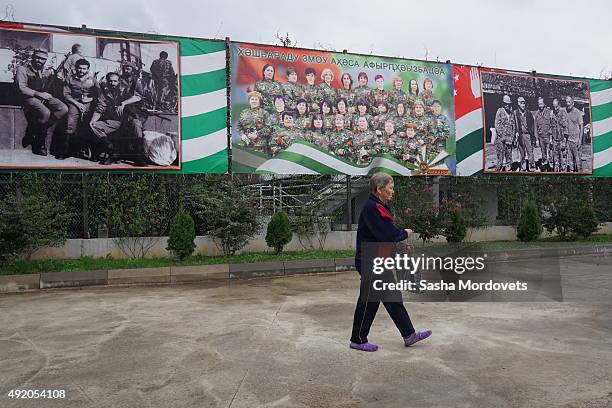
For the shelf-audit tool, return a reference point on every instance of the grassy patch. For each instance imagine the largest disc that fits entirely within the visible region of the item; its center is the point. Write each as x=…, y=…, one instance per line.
x=92, y=264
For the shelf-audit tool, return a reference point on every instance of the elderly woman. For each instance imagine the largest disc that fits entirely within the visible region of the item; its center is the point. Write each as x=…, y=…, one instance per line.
x=252, y=124
x=325, y=90
x=376, y=224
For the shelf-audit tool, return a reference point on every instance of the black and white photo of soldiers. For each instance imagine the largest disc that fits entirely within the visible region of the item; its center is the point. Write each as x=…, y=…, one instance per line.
x=93, y=104
x=536, y=124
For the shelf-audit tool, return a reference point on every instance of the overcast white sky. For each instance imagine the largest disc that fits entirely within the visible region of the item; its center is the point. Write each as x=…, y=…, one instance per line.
x=560, y=37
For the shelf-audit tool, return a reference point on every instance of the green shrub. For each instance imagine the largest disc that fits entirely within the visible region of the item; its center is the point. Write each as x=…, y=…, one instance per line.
x=456, y=227
x=530, y=224
x=29, y=221
x=225, y=211
x=584, y=222
x=279, y=231
x=182, y=235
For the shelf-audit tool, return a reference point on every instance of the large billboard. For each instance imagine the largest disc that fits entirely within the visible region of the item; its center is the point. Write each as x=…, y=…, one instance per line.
x=511, y=122
x=78, y=99
x=297, y=111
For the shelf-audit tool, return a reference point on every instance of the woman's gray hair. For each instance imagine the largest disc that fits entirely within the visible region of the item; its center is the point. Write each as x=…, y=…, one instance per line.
x=379, y=180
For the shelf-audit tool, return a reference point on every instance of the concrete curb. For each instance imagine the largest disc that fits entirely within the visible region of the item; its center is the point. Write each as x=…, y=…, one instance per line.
x=221, y=272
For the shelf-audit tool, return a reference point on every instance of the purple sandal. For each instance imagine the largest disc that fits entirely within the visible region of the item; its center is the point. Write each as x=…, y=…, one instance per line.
x=416, y=337
x=369, y=347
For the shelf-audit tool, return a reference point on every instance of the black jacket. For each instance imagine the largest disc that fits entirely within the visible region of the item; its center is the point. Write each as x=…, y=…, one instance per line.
x=376, y=224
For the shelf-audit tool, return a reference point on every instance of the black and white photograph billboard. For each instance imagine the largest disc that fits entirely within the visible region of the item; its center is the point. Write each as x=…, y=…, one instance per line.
x=76, y=101
x=536, y=124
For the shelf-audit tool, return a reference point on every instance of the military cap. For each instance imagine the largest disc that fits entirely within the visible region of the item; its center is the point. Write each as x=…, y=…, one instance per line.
x=41, y=52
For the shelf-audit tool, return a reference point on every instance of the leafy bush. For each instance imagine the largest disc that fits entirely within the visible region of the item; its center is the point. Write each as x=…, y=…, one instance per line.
x=182, y=235
x=416, y=208
x=225, y=212
x=279, y=231
x=30, y=220
x=311, y=227
x=135, y=210
x=530, y=224
x=569, y=208
x=455, y=227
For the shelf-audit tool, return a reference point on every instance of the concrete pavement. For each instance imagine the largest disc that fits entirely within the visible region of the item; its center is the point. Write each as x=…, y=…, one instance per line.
x=284, y=343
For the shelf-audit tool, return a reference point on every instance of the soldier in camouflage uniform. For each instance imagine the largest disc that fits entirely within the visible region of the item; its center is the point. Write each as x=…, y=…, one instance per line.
x=341, y=138
x=292, y=90
x=316, y=134
x=379, y=94
x=342, y=108
x=363, y=92
x=363, y=142
x=328, y=115
x=268, y=87
x=440, y=128
x=401, y=117
x=423, y=123
x=379, y=120
x=302, y=118
x=542, y=121
x=386, y=143
x=325, y=91
x=411, y=146
x=287, y=135
x=413, y=94
x=347, y=92
x=253, y=125
x=276, y=117
x=558, y=130
x=505, y=129
x=363, y=110
x=310, y=89
x=397, y=94
x=427, y=96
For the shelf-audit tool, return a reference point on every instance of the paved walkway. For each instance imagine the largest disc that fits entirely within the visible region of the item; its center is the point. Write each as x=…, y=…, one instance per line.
x=283, y=343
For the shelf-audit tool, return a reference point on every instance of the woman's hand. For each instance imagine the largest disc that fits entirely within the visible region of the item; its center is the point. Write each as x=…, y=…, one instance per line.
x=408, y=231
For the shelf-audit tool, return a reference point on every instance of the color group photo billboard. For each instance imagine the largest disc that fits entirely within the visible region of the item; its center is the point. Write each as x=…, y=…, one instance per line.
x=297, y=111
x=73, y=99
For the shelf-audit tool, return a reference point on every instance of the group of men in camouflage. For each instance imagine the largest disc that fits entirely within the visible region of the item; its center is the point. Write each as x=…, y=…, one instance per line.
x=101, y=122
x=354, y=123
x=558, y=132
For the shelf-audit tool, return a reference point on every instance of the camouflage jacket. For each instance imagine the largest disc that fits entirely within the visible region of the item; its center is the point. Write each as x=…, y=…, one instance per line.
x=558, y=125
x=268, y=88
x=319, y=139
x=363, y=146
x=397, y=96
x=348, y=94
x=324, y=92
x=427, y=97
x=254, y=121
x=341, y=143
x=505, y=126
x=283, y=138
x=440, y=129
x=292, y=91
x=363, y=93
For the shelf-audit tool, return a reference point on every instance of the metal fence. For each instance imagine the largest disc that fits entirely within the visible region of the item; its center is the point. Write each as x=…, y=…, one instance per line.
x=86, y=194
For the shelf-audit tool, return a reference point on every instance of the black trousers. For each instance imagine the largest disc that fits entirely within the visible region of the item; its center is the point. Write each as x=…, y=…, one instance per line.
x=365, y=312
